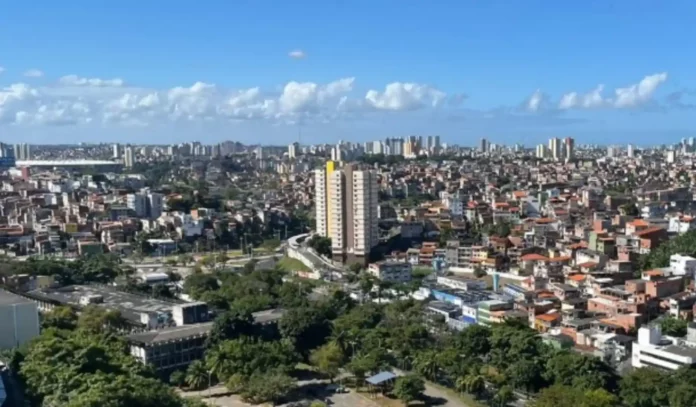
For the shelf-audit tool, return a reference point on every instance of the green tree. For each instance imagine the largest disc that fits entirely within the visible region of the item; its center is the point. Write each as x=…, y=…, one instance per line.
x=673, y=326
x=408, y=388
x=355, y=267
x=63, y=317
x=602, y=398
x=682, y=395
x=328, y=359
x=197, y=376
x=196, y=285
x=479, y=272
x=230, y=325
x=645, y=387
x=236, y=383
x=526, y=374
x=96, y=319
x=475, y=384
x=504, y=396
x=268, y=387
x=177, y=378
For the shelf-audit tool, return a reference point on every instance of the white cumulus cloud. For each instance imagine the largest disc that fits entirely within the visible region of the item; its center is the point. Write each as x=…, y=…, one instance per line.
x=626, y=97
x=640, y=92
x=398, y=96
x=297, y=54
x=74, y=80
x=33, y=73
x=75, y=100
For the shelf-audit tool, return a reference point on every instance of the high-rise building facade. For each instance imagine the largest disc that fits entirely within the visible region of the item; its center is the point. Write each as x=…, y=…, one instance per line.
x=22, y=151
x=483, y=145
x=116, y=151
x=569, y=147
x=555, y=148
x=346, y=203
x=292, y=150
x=128, y=157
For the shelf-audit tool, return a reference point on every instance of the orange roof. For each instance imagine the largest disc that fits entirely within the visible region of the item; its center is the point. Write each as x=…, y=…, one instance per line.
x=588, y=264
x=653, y=273
x=560, y=258
x=545, y=295
x=580, y=245
x=534, y=257
x=648, y=231
x=639, y=222
x=548, y=317
x=576, y=277
x=519, y=194
x=545, y=220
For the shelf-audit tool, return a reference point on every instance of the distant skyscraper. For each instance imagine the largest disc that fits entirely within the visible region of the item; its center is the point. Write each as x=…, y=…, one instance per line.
x=484, y=145
x=292, y=150
x=22, y=151
x=569, y=147
x=541, y=151
x=116, y=151
x=555, y=148
x=610, y=152
x=630, y=151
x=128, y=157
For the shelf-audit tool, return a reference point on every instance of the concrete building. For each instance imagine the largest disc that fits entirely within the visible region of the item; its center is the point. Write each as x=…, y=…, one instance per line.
x=391, y=271
x=681, y=265
x=117, y=151
x=128, y=157
x=175, y=348
x=138, y=203
x=346, y=205
x=541, y=151
x=483, y=146
x=293, y=149
x=662, y=352
x=555, y=148
x=19, y=320
x=569, y=148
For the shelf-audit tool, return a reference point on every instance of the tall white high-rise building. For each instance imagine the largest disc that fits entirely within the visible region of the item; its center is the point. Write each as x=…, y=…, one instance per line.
x=346, y=203
x=116, y=151
x=630, y=151
x=292, y=150
x=22, y=151
x=484, y=145
x=610, y=151
x=541, y=151
x=128, y=157
x=555, y=148
x=569, y=148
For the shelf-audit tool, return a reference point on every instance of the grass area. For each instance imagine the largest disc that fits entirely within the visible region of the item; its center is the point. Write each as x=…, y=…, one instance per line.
x=289, y=264
x=257, y=250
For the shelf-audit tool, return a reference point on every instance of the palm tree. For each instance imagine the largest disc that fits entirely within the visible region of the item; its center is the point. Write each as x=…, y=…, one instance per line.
x=461, y=384
x=503, y=397
x=197, y=375
x=426, y=364
x=217, y=362
x=475, y=384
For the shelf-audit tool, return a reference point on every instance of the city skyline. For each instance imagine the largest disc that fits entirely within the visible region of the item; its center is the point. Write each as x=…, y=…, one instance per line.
x=501, y=71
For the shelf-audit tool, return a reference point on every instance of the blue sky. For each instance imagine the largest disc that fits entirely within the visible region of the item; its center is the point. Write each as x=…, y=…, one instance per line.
x=511, y=71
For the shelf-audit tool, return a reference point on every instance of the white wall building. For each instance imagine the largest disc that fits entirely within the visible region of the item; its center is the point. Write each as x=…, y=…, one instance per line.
x=662, y=352
x=391, y=271
x=19, y=320
x=682, y=265
x=138, y=203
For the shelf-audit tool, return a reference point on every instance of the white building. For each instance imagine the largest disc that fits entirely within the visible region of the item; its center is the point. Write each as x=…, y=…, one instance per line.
x=138, y=203
x=682, y=265
x=541, y=151
x=391, y=271
x=555, y=148
x=662, y=352
x=461, y=283
x=292, y=150
x=128, y=157
x=19, y=320
x=320, y=202
x=117, y=151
